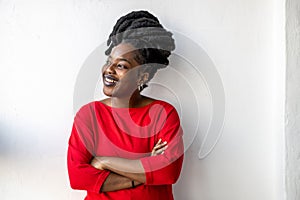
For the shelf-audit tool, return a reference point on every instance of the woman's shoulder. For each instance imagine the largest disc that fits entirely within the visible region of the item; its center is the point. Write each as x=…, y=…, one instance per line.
x=150, y=101
x=89, y=108
x=166, y=105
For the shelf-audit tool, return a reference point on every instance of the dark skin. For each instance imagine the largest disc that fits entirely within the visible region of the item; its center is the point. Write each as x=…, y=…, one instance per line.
x=121, y=76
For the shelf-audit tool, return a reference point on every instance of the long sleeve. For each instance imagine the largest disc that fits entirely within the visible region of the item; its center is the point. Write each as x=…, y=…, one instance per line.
x=82, y=175
x=165, y=168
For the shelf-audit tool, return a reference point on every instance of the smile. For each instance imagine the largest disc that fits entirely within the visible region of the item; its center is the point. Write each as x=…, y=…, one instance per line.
x=109, y=80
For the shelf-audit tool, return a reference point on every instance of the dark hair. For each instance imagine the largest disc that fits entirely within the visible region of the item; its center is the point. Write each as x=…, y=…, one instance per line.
x=144, y=31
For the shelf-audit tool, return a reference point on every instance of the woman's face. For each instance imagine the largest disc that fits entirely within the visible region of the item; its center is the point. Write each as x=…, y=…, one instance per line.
x=119, y=78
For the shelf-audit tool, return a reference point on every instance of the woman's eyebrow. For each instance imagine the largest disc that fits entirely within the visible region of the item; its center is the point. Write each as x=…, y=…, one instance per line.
x=121, y=59
x=124, y=59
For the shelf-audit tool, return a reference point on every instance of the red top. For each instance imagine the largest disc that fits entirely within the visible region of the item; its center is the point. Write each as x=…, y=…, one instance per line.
x=100, y=130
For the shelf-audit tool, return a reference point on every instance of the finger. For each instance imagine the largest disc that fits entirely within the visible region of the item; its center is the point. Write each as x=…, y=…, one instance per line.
x=161, y=151
x=153, y=153
x=158, y=148
x=158, y=151
x=159, y=141
x=160, y=145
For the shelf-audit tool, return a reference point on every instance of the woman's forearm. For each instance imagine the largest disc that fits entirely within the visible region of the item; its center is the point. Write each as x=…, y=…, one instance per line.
x=132, y=169
x=116, y=182
x=125, y=168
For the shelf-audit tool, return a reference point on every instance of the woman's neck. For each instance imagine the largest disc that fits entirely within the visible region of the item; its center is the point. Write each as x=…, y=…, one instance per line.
x=135, y=100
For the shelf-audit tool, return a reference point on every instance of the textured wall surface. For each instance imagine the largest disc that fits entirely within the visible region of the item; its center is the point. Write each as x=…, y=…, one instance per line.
x=293, y=100
x=43, y=45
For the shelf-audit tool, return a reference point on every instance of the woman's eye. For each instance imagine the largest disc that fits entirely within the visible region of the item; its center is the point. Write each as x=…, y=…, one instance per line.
x=121, y=66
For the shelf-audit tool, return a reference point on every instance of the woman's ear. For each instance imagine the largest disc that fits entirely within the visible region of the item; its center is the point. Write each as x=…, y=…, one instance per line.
x=143, y=78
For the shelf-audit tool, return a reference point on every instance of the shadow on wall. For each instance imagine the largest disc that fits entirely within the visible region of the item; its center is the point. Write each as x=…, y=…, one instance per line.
x=18, y=141
x=190, y=83
x=6, y=140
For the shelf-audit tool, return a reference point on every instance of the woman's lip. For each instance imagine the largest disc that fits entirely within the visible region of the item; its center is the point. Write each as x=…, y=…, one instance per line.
x=110, y=77
x=106, y=83
x=109, y=80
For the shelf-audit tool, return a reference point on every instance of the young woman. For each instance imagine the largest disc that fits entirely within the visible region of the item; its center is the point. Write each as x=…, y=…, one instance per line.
x=128, y=146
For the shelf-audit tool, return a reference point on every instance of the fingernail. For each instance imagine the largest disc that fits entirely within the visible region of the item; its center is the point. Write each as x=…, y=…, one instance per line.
x=165, y=142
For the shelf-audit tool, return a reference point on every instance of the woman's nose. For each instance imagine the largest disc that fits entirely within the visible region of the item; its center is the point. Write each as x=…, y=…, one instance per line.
x=109, y=69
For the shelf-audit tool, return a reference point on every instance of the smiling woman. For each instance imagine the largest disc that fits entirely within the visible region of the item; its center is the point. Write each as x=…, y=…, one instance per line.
x=116, y=77
x=128, y=146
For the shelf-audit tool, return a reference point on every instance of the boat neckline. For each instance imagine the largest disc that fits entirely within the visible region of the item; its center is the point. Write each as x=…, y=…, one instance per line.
x=149, y=104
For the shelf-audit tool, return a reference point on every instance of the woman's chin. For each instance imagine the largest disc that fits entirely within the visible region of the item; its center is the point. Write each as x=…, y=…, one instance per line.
x=108, y=93
x=112, y=93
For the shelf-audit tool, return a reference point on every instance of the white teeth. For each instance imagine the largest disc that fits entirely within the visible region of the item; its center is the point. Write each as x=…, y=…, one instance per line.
x=109, y=80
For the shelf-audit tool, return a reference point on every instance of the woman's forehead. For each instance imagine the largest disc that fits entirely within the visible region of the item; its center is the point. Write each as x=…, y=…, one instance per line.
x=124, y=50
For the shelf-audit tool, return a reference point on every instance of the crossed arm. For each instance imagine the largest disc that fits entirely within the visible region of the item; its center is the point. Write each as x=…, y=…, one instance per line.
x=86, y=172
x=126, y=173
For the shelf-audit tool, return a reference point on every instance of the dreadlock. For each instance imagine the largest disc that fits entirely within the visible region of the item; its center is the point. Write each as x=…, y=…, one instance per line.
x=144, y=31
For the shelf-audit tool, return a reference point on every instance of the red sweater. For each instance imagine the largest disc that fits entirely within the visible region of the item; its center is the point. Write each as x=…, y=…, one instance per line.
x=100, y=130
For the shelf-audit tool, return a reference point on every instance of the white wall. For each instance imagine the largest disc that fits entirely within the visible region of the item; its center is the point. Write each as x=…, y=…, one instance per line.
x=292, y=100
x=45, y=43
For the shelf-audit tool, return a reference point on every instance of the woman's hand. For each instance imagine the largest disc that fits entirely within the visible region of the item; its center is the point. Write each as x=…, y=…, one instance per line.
x=159, y=148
